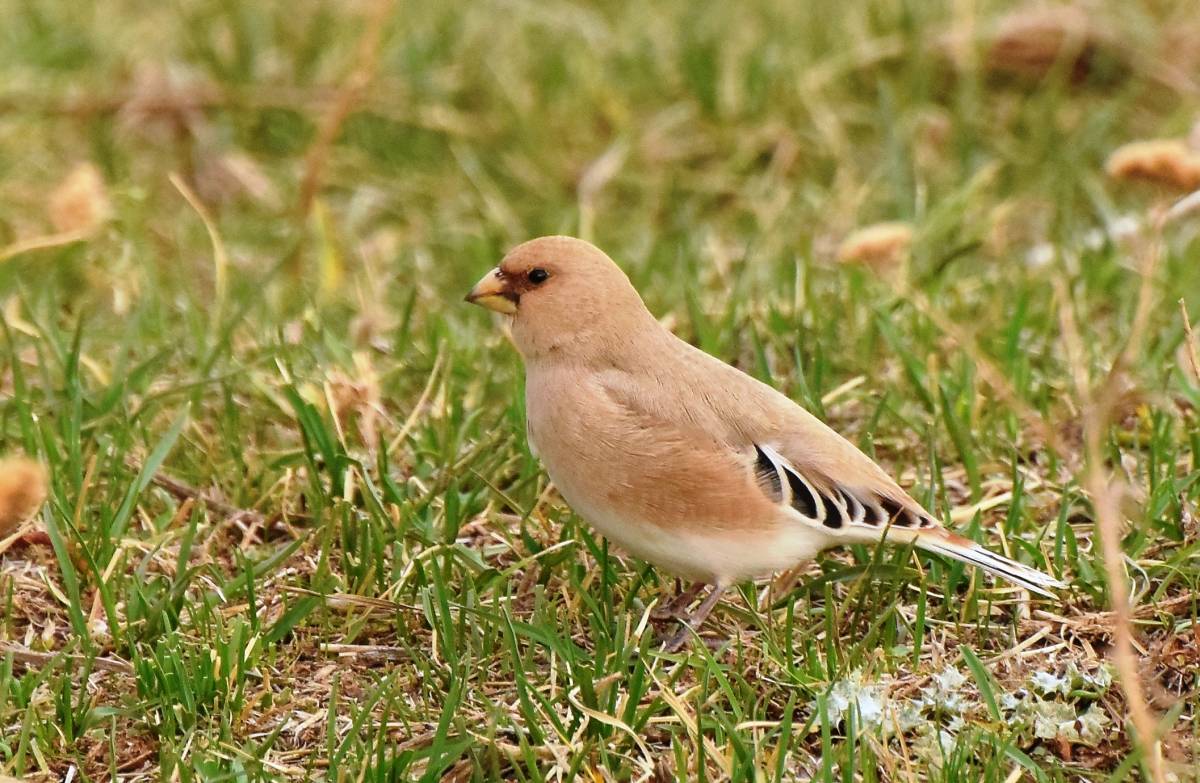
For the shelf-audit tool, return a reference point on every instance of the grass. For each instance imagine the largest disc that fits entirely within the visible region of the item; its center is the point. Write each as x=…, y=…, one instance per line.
x=294, y=530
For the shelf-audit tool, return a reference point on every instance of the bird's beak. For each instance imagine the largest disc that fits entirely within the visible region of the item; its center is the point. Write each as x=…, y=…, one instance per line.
x=493, y=292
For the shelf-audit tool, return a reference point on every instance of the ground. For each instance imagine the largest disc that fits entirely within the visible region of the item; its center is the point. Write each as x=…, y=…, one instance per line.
x=293, y=528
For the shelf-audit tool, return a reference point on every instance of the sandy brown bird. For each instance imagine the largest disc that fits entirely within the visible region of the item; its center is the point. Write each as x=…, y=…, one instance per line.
x=678, y=458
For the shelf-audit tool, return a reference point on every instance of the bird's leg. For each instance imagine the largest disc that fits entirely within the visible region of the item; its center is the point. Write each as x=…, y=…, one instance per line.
x=674, y=609
x=696, y=620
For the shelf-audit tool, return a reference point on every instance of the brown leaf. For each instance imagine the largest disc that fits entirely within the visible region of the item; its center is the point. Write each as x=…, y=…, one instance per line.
x=1168, y=162
x=1031, y=42
x=80, y=204
x=22, y=491
x=881, y=245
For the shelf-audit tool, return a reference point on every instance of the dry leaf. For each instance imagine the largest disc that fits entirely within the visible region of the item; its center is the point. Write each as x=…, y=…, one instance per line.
x=80, y=205
x=880, y=245
x=1167, y=162
x=22, y=491
x=1031, y=42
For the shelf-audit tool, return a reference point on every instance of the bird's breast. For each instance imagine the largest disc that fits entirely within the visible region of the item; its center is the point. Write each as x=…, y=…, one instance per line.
x=678, y=499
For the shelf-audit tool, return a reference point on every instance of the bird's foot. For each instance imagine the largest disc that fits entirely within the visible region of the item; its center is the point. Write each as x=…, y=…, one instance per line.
x=676, y=608
x=676, y=640
x=693, y=623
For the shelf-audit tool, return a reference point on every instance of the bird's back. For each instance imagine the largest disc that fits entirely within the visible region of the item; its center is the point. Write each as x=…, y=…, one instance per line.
x=742, y=411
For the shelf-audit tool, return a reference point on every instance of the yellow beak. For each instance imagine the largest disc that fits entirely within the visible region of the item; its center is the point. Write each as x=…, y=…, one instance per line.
x=492, y=292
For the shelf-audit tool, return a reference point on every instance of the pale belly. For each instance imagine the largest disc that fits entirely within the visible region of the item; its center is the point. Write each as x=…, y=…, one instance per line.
x=705, y=555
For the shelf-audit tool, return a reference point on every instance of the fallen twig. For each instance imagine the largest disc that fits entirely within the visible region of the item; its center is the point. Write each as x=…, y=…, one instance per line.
x=184, y=491
x=32, y=658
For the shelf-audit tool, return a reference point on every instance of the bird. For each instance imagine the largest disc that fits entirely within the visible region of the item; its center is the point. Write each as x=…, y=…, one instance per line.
x=680, y=459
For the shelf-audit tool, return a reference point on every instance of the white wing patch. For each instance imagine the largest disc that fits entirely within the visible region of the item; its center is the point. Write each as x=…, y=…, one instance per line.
x=841, y=512
x=834, y=509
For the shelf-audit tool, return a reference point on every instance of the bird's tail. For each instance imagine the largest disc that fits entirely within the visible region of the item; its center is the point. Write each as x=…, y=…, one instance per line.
x=943, y=542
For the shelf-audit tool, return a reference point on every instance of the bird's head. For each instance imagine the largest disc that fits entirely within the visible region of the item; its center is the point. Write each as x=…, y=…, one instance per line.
x=565, y=295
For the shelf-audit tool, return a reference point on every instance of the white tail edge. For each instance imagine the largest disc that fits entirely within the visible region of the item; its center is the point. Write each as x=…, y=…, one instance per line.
x=943, y=542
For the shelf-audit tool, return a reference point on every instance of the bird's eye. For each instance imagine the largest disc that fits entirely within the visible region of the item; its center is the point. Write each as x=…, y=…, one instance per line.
x=538, y=275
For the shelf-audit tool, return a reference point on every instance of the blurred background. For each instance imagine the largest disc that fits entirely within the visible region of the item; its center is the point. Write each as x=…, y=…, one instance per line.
x=422, y=140
x=234, y=240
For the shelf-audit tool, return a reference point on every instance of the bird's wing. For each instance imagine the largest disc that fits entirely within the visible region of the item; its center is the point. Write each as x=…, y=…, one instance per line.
x=842, y=488
x=813, y=475
x=687, y=432
x=845, y=509
x=822, y=478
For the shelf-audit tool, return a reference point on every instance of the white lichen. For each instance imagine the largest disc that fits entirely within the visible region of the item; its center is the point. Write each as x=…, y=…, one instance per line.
x=867, y=698
x=1047, y=684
